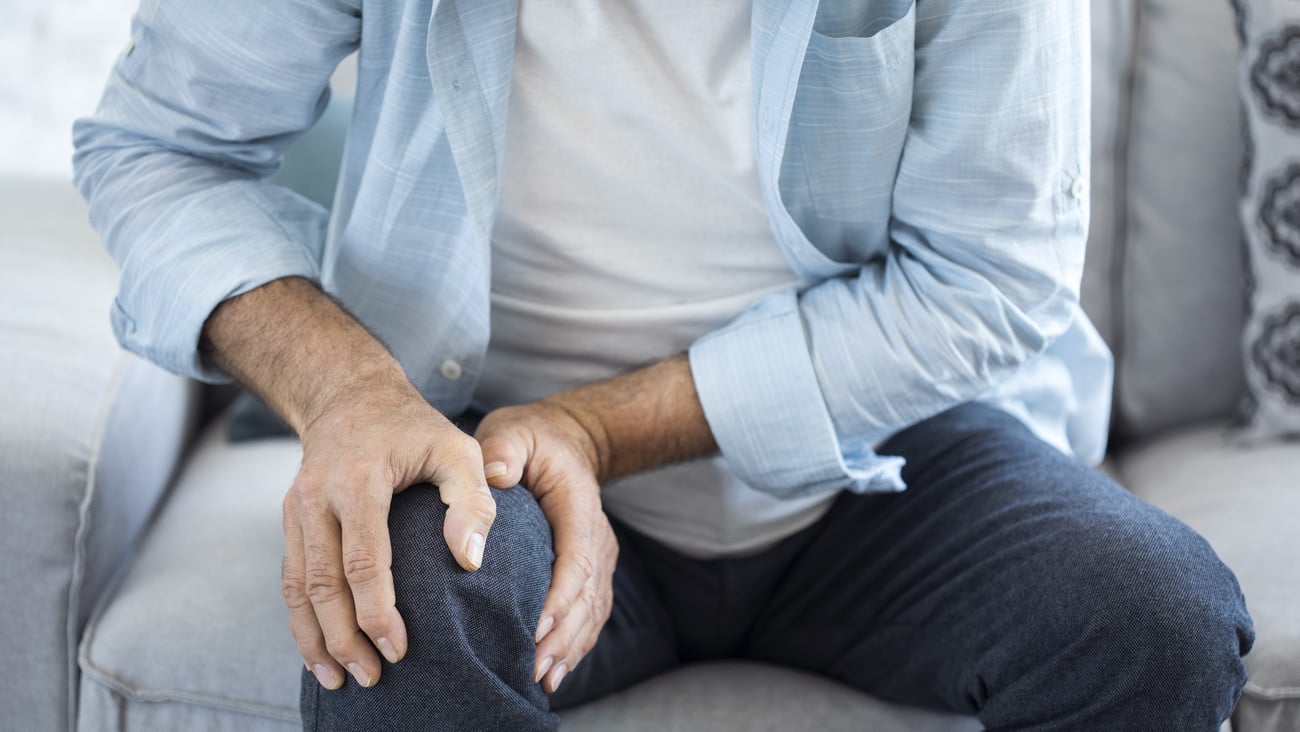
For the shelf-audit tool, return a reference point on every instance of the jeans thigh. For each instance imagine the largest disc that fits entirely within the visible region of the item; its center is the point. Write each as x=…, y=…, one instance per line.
x=1011, y=582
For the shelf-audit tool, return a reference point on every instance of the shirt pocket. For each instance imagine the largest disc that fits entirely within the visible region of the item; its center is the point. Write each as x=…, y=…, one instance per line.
x=852, y=109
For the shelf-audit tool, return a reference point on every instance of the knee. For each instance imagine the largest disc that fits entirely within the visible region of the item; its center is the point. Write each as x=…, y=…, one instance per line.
x=469, y=663
x=509, y=587
x=1161, y=613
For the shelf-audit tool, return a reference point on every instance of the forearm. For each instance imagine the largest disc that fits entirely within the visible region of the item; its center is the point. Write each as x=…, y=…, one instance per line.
x=297, y=349
x=641, y=419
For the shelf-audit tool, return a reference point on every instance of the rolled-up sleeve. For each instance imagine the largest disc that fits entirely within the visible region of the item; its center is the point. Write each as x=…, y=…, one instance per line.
x=988, y=230
x=196, y=114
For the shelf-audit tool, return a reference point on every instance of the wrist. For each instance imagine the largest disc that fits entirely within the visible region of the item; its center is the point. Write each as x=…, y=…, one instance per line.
x=379, y=384
x=591, y=438
x=642, y=419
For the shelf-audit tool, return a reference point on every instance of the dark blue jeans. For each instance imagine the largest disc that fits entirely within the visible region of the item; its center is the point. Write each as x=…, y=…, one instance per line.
x=1008, y=582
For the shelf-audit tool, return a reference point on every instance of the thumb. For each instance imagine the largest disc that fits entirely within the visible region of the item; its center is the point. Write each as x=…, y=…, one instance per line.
x=504, y=457
x=471, y=508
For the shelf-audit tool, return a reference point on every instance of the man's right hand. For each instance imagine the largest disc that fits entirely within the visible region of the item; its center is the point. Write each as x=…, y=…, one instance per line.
x=337, y=578
x=366, y=434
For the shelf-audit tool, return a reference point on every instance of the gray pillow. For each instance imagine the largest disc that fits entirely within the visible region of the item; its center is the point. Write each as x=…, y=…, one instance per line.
x=1270, y=211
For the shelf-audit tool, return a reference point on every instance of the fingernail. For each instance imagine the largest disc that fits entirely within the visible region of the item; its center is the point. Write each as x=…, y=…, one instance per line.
x=474, y=549
x=543, y=628
x=386, y=648
x=326, y=676
x=495, y=470
x=542, y=668
x=360, y=674
x=557, y=676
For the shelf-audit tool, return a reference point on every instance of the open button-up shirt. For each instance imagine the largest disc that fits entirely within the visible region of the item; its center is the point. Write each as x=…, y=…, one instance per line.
x=923, y=164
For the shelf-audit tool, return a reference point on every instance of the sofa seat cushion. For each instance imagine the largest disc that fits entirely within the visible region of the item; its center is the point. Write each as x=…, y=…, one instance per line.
x=1246, y=502
x=196, y=635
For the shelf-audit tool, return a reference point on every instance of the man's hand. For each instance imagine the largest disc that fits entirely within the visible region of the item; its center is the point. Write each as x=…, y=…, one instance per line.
x=546, y=449
x=563, y=448
x=337, y=578
x=366, y=434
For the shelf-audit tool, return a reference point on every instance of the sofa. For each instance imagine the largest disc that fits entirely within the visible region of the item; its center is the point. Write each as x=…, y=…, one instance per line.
x=141, y=546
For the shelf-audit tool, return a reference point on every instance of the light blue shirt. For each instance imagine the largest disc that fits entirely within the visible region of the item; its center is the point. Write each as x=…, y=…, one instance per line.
x=924, y=168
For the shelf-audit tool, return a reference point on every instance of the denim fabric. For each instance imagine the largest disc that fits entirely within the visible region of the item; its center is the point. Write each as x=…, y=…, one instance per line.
x=1009, y=582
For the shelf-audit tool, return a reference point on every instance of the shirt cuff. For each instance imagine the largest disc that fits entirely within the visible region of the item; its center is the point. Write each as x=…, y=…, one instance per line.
x=760, y=395
x=160, y=313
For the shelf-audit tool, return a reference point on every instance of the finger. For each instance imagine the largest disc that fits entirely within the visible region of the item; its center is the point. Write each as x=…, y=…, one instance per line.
x=471, y=509
x=573, y=564
x=302, y=617
x=331, y=598
x=565, y=646
x=504, y=457
x=368, y=567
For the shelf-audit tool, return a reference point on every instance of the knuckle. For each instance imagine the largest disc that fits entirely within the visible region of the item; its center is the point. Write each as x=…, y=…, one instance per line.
x=361, y=566
x=322, y=586
x=295, y=594
x=372, y=622
x=306, y=483
x=460, y=448
x=583, y=563
x=571, y=638
x=348, y=488
x=469, y=447
x=338, y=647
x=559, y=606
x=486, y=510
x=390, y=474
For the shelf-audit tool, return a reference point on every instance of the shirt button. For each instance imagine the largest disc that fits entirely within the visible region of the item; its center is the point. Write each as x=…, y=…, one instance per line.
x=1079, y=188
x=450, y=370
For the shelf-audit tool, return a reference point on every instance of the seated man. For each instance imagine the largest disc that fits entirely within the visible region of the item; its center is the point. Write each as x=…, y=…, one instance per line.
x=785, y=358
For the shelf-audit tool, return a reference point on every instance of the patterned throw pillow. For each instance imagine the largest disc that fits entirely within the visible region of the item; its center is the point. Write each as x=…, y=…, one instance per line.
x=1270, y=210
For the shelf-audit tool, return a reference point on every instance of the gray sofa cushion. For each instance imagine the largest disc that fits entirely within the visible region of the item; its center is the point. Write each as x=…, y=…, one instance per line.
x=76, y=482
x=748, y=697
x=196, y=635
x=1246, y=502
x=1179, y=296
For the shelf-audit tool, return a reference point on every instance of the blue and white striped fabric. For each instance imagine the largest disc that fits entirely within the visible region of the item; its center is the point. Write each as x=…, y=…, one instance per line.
x=924, y=165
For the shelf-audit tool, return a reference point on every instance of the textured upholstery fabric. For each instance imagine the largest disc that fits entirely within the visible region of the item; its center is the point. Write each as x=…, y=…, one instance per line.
x=1270, y=206
x=75, y=479
x=196, y=635
x=1181, y=259
x=731, y=697
x=199, y=617
x=1245, y=501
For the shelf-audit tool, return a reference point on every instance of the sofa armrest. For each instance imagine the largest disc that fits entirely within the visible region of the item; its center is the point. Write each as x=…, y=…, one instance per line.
x=89, y=437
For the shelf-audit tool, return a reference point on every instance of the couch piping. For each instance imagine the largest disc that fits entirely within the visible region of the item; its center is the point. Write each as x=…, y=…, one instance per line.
x=1280, y=693
x=138, y=694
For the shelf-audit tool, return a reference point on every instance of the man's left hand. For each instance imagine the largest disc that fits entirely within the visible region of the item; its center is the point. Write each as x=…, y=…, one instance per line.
x=546, y=449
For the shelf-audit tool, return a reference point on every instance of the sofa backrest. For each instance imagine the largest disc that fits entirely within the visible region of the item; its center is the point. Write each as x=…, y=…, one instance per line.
x=1165, y=275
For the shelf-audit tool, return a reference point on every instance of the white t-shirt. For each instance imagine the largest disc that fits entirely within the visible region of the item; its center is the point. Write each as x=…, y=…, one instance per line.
x=631, y=223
